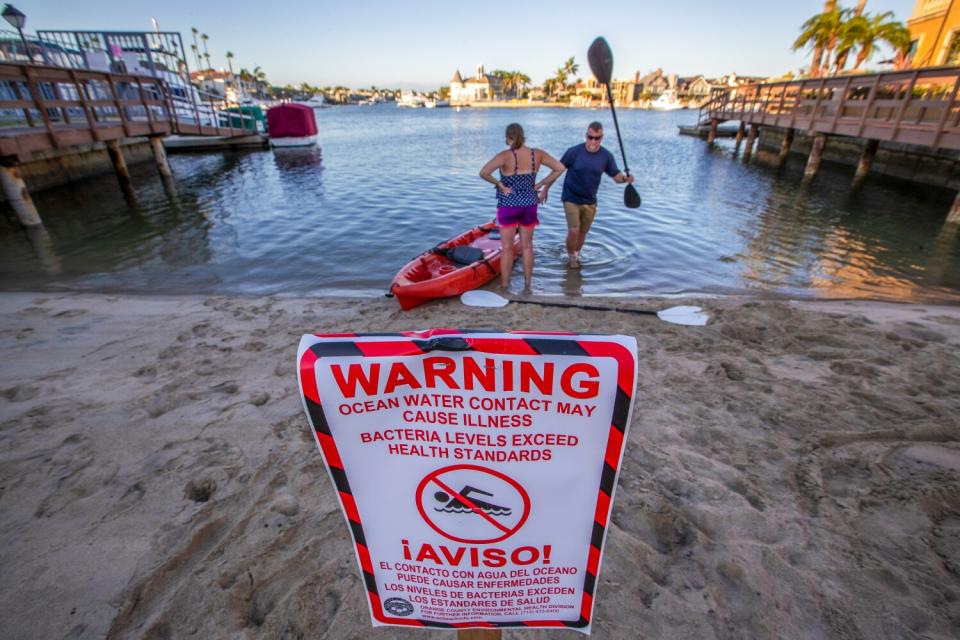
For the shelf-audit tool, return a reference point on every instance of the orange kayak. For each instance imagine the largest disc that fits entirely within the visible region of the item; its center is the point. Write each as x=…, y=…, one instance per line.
x=459, y=264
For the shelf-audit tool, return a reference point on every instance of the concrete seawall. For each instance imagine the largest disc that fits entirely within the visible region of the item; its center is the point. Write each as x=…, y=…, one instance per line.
x=54, y=168
x=940, y=168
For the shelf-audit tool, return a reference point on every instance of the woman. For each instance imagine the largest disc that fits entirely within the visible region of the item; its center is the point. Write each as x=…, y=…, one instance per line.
x=517, y=196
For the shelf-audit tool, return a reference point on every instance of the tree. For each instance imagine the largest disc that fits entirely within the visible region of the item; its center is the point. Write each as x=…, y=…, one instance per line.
x=196, y=47
x=821, y=31
x=570, y=68
x=851, y=32
x=233, y=78
x=196, y=53
x=206, y=54
x=883, y=29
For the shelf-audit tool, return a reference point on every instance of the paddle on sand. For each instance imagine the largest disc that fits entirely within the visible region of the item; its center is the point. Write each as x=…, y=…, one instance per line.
x=601, y=63
x=686, y=315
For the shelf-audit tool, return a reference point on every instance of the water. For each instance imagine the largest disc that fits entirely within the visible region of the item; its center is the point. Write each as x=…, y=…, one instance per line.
x=390, y=183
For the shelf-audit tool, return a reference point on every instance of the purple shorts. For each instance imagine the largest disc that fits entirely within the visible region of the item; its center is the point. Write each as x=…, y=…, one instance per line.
x=525, y=216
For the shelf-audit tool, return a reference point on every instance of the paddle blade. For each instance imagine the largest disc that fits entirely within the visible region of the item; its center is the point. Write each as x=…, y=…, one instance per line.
x=601, y=60
x=480, y=298
x=631, y=197
x=690, y=316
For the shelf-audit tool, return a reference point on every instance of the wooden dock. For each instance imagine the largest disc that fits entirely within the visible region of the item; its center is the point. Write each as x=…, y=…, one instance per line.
x=919, y=107
x=44, y=108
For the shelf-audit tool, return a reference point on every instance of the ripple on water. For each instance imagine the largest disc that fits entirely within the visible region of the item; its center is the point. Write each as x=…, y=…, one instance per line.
x=388, y=183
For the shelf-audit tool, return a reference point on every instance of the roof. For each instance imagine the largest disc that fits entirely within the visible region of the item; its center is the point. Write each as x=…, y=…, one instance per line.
x=457, y=77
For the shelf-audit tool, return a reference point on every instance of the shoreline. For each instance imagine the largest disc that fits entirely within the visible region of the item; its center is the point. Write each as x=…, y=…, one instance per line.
x=159, y=477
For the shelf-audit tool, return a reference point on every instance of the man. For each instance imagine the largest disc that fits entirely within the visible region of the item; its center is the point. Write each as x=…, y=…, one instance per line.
x=585, y=163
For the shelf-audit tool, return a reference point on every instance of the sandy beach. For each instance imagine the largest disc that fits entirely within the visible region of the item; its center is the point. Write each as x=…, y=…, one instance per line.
x=792, y=471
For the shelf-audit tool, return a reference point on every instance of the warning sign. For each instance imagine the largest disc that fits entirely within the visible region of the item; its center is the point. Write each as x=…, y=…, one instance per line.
x=476, y=471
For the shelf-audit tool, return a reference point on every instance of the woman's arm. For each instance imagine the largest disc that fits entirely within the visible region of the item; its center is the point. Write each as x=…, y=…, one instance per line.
x=556, y=170
x=496, y=162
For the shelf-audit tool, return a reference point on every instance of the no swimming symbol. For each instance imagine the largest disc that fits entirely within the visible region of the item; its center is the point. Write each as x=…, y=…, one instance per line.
x=472, y=504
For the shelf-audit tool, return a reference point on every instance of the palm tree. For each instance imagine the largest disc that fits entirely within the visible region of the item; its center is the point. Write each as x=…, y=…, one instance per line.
x=196, y=54
x=523, y=80
x=233, y=78
x=851, y=32
x=819, y=30
x=196, y=47
x=570, y=68
x=883, y=29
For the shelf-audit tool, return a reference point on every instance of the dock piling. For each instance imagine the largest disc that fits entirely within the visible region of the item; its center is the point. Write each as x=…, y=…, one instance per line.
x=712, y=136
x=751, y=137
x=785, y=147
x=866, y=161
x=741, y=131
x=18, y=195
x=120, y=166
x=160, y=156
x=816, y=155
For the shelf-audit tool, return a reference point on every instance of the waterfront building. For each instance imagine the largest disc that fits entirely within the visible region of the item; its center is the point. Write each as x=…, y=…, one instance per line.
x=482, y=87
x=218, y=83
x=935, y=32
x=695, y=88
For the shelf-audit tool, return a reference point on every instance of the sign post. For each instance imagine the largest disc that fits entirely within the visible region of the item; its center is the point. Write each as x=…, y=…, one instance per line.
x=476, y=470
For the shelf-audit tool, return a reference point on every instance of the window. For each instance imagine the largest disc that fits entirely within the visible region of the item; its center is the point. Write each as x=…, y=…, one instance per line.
x=953, y=49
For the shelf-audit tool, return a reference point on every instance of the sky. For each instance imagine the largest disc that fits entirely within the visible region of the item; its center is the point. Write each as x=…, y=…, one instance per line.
x=419, y=44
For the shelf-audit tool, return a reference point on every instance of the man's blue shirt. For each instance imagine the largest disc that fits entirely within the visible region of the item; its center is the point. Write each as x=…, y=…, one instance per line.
x=584, y=170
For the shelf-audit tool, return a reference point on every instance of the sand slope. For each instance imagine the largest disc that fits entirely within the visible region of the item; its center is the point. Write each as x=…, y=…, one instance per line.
x=793, y=471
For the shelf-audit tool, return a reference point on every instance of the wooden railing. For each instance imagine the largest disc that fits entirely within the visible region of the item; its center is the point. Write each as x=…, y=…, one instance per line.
x=43, y=108
x=919, y=106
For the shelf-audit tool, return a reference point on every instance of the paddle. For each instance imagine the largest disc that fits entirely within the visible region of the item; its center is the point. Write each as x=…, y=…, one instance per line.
x=690, y=316
x=601, y=63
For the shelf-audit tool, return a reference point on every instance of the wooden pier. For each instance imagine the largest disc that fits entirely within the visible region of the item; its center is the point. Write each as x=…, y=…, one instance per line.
x=918, y=107
x=45, y=109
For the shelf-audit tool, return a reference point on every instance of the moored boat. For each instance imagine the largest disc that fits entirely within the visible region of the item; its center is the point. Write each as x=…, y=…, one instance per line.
x=291, y=125
x=459, y=264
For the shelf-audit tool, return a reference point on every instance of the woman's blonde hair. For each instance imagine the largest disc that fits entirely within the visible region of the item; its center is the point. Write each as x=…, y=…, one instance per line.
x=515, y=133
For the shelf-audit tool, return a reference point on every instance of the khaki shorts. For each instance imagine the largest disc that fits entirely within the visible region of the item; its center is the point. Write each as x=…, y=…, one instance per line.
x=579, y=215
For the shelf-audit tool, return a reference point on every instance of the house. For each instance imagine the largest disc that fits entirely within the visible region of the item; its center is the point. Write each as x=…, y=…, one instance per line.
x=693, y=88
x=479, y=88
x=935, y=33
x=221, y=84
x=655, y=83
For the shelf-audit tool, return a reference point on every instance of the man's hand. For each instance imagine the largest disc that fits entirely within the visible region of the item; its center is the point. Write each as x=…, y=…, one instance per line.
x=628, y=179
x=624, y=178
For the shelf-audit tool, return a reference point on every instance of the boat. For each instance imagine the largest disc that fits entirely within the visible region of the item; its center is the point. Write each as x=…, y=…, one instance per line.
x=667, y=101
x=291, y=125
x=410, y=100
x=459, y=264
x=436, y=104
x=316, y=101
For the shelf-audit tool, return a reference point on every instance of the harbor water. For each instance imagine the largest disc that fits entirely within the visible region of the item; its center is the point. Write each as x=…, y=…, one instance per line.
x=389, y=183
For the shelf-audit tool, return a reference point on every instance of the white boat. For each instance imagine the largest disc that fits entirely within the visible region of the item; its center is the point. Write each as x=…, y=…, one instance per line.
x=436, y=104
x=667, y=101
x=317, y=101
x=410, y=100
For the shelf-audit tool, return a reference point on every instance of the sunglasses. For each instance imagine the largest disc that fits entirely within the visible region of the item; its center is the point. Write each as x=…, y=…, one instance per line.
x=590, y=137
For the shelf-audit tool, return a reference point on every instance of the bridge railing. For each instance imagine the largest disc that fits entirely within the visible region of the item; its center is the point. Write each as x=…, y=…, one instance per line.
x=918, y=106
x=45, y=107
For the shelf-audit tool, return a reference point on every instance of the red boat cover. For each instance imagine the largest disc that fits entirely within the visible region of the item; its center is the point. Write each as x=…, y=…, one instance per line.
x=291, y=121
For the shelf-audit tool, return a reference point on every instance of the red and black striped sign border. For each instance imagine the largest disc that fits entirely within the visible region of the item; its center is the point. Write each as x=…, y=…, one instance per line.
x=420, y=342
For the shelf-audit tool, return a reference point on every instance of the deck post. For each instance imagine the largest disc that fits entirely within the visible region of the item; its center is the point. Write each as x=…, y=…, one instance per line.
x=741, y=130
x=866, y=161
x=713, y=130
x=751, y=137
x=18, y=195
x=120, y=166
x=954, y=216
x=816, y=155
x=785, y=146
x=160, y=156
